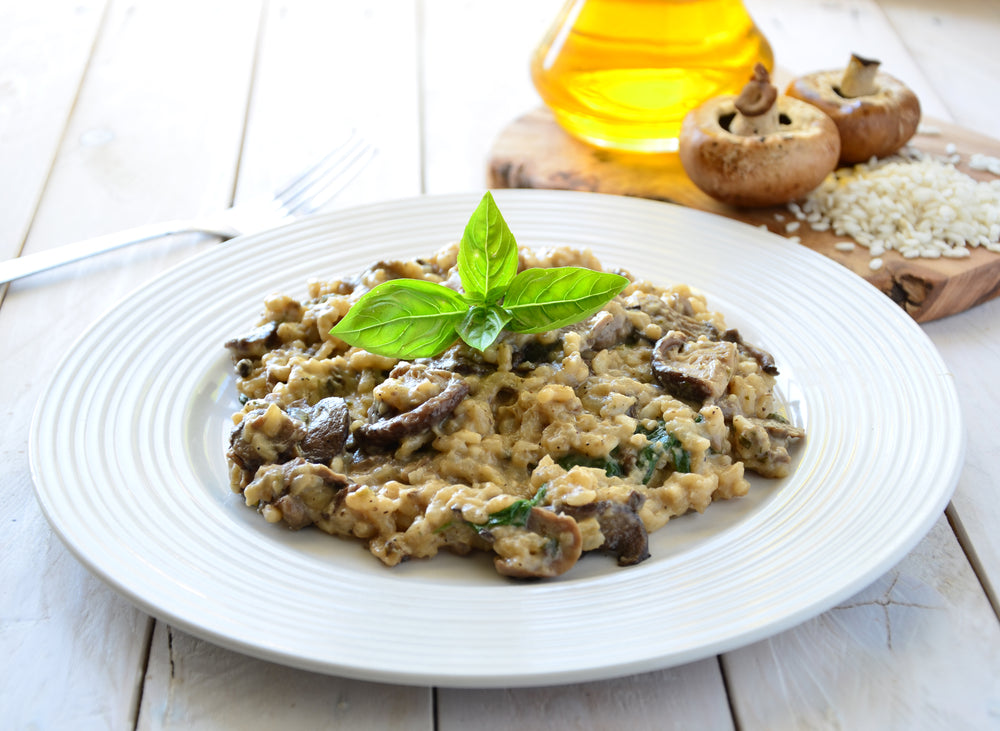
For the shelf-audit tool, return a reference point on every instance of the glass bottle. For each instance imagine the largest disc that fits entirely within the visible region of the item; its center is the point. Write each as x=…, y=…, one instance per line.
x=622, y=74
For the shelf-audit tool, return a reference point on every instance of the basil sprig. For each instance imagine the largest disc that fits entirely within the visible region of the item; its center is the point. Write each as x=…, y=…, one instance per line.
x=413, y=318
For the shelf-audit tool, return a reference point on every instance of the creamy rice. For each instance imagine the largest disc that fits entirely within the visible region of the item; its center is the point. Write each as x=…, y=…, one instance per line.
x=539, y=449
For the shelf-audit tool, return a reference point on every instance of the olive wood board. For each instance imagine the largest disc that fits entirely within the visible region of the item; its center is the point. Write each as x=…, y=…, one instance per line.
x=533, y=151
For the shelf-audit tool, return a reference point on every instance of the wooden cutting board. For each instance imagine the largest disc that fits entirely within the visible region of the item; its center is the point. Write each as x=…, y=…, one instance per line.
x=534, y=152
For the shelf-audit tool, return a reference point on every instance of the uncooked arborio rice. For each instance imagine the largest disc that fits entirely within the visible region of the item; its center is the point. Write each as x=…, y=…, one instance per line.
x=916, y=204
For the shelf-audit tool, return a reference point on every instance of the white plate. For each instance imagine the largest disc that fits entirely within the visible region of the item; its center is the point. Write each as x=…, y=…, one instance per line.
x=127, y=457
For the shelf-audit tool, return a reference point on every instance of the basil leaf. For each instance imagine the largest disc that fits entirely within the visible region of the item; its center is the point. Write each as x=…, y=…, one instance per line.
x=482, y=325
x=487, y=255
x=546, y=299
x=403, y=318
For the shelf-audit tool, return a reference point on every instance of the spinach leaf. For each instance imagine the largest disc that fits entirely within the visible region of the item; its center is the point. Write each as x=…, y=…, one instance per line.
x=516, y=514
x=611, y=466
x=662, y=442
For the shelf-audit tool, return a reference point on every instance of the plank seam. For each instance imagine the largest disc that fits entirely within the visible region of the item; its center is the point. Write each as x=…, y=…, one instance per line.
x=965, y=543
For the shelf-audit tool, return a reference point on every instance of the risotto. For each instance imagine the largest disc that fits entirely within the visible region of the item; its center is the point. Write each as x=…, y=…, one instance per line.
x=539, y=449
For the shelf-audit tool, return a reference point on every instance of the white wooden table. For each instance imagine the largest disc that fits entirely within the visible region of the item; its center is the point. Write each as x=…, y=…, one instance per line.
x=116, y=113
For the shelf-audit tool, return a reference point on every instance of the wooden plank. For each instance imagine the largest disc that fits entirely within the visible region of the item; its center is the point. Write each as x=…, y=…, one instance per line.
x=686, y=697
x=918, y=649
x=966, y=343
x=478, y=86
x=43, y=56
x=193, y=685
x=954, y=45
x=325, y=69
x=303, y=101
x=812, y=35
x=155, y=132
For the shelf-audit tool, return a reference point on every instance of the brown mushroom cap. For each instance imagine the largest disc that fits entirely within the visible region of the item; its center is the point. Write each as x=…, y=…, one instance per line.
x=760, y=170
x=871, y=125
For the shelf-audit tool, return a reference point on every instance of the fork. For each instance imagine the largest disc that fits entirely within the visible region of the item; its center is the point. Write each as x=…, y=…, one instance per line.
x=305, y=194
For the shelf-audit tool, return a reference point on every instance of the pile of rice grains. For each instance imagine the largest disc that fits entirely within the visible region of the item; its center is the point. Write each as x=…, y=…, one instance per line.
x=918, y=204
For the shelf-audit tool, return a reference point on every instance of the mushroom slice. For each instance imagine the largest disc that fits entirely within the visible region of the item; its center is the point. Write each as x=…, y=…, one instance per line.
x=762, y=157
x=875, y=113
x=264, y=436
x=625, y=535
x=326, y=430
x=693, y=370
x=604, y=330
x=548, y=545
x=296, y=492
x=255, y=343
x=762, y=444
x=764, y=359
x=388, y=431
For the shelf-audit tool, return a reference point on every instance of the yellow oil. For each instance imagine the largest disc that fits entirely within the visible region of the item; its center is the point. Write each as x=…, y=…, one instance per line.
x=622, y=74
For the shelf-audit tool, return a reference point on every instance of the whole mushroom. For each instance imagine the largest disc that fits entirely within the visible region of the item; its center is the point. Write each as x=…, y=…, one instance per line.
x=758, y=148
x=876, y=113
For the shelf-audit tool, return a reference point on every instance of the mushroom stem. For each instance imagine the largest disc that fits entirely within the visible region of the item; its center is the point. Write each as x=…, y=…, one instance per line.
x=756, y=112
x=859, y=77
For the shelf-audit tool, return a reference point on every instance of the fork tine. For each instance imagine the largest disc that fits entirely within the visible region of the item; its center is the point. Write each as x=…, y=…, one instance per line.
x=340, y=167
x=336, y=182
x=302, y=179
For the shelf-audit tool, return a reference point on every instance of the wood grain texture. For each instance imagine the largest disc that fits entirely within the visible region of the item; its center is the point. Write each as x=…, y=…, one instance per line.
x=146, y=117
x=475, y=80
x=687, y=697
x=918, y=649
x=191, y=685
x=534, y=152
x=322, y=70
x=975, y=506
x=955, y=49
x=119, y=115
x=41, y=67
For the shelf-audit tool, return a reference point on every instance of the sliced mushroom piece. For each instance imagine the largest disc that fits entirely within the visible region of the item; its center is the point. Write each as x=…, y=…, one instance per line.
x=764, y=359
x=299, y=490
x=264, y=436
x=744, y=155
x=875, y=113
x=607, y=328
x=255, y=343
x=625, y=535
x=762, y=444
x=548, y=545
x=693, y=370
x=388, y=431
x=461, y=360
x=326, y=430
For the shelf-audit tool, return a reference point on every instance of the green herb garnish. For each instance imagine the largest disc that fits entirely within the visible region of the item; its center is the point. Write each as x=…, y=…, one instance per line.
x=412, y=318
x=611, y=467
x=662, y=442
x=515, y=514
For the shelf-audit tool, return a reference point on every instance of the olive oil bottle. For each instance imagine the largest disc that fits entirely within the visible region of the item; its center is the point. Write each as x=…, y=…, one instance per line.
x=622, y=74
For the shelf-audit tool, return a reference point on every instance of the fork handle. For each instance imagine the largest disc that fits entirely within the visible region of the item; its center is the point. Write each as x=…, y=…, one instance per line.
x=24, y=266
